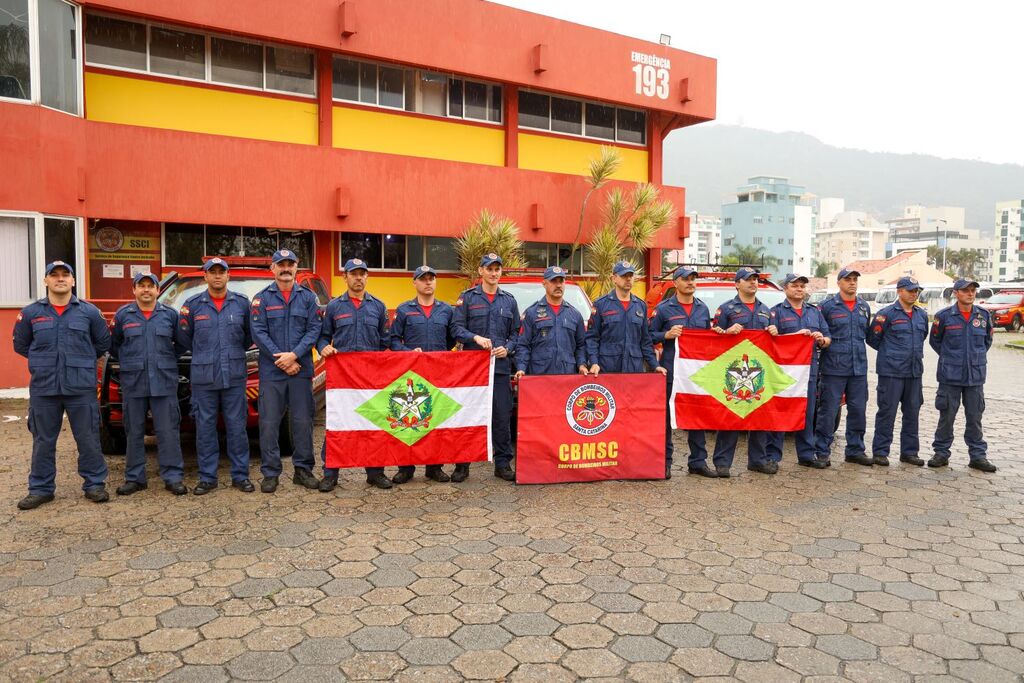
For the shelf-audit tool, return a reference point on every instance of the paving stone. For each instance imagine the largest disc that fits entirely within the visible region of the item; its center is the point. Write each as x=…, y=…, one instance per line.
x=846, y=647
x=481, y=637
x=541, y=673
x=372, y=666
x=724, y=623
x=529, y=624
x=489, y=664
x=379, y=638
x=702, y=661
x=807, y=662
x=537, y=649
x=945, y=647
x=187, y=617
x=429, y=651
x=593, y=663
x=580, y=636
x=641, y=649
x=196, y=674
x=745, y=648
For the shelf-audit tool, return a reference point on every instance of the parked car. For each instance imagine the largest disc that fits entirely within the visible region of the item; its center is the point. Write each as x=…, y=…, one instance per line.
x=714, y=287
x=247, y=278
x=1007, y=309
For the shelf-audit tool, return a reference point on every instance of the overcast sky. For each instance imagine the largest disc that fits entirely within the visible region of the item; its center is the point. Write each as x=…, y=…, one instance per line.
x=912, y=76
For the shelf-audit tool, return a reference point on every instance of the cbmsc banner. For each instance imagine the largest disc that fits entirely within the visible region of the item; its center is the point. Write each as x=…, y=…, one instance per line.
x=578, y=428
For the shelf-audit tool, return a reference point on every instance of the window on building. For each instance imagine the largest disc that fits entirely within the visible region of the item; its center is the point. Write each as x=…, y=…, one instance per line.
x=758, y=240
x=441, y=254
x=781, y=240
x=345, y=79
x=791, y=240
x=51, y=45
x=631, y=126
x=479, y=101
x=121, y=43
x=535, y=254
x=758, y=219
x=116, y=42
x=600, y=121
x=566, y=116
x=15, y=46
x=185, y=244
x=362, y=245
x=534, y=110
x=392, y=87
x=236, y=62
x=31, y=241
x=792, y=221
x=543, y=111
x=727, y=221
x=789, y=262
x=426, y=92
x=727, y=242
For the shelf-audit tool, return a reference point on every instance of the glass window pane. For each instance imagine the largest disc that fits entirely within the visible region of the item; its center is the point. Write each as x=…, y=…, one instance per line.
x=431, y=94
x=392, y=87
x=441, y=253
x=59, y=242
x=346, y=79
x=299, y=241
x=224, y=240
x=632, y=126
x=258, y=242
x=414, y=252
x=476, y=100
x=183, y=245
x=177, y=53
x=535, y=254
x=394, y=252
x=368, y=83
x=600, y=121
x=291, y=70
x=17, y=262
x=115, y=42
x=566, y=116
x=15, y=80
x=455, y=97
x=235, y=62
x=58, y=55
x=361, y=245
x=534, y=110
x=564, y=252
x=496, y=103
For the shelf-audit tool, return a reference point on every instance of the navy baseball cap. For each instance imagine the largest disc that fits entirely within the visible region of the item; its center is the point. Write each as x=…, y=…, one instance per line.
x=355, y=264
x=488, y=259
x=551, y=272
x=908, y=282
x=59, y=264
x=793, y=277
x=847, y=272
x=145, y=276
x=284, y=255
x=216, y=261
x=624, y=268
x=423, y=270
x=964, y=283
x=744, y=274
x=683, y=271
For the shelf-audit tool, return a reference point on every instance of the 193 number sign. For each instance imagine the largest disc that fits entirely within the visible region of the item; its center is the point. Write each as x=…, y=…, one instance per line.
x=651, y=81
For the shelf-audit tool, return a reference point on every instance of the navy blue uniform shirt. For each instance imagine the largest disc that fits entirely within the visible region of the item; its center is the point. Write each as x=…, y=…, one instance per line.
x=350, y=328
x=962, y=345
x=846, y=356
x=146, y=350
x=735, y=311
x=499, y=321
x=670, y=313
x=218, y=340
x=278, y=326
x=413, y=329
x=619, y=339
x=899, y=340
x=61, y=349
x=551, y=343
x=788, y=321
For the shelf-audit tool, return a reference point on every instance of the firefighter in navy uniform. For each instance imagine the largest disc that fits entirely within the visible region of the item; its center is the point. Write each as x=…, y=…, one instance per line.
x=62, y=336
x=619, y=339
x=285, y=323
x=795, y=316
x=844, y=370
x=962, y=336
x=423, y=324
x=743, y=312
x=898, y=333
x=671, y=317
x=552, y=337
x=143, y=342
x=487, y=318
x=355, y=321
x=214, y=326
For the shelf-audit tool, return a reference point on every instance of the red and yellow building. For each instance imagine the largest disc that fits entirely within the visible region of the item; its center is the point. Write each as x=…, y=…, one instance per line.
x=145, y=134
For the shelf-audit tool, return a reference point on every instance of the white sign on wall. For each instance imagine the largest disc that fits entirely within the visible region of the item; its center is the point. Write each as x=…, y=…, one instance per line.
x=652, y=74
x=113, y=270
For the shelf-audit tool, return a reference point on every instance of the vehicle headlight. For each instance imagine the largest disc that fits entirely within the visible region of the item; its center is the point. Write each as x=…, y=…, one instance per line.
x=1002, y=311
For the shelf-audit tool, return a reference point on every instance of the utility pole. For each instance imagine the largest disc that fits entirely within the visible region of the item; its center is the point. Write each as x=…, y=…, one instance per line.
x=945, y=240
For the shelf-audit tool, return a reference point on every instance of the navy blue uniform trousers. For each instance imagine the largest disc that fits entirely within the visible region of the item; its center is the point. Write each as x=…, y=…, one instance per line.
x=294, y=394
x=206, y=405
x=804, y=439
x=45, y=418
x=894, y=392
x=947, y=401
x=166, y=418
x=832, y=389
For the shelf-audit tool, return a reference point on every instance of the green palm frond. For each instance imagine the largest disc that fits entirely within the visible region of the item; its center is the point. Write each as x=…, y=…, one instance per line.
x=604, y=167
x=485, y=234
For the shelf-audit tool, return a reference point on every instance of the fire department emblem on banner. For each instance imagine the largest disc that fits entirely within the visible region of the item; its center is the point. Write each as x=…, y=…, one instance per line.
x=590, y=409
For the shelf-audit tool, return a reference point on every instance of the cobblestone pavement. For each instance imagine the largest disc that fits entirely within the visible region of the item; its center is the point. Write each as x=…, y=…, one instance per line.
x=856, y=574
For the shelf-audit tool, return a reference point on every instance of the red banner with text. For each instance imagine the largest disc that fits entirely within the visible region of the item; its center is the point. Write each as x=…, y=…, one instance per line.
x=578, y=428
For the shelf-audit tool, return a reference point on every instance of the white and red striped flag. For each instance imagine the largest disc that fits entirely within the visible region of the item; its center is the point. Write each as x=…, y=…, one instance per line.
x=747, y=381
x=388, y=408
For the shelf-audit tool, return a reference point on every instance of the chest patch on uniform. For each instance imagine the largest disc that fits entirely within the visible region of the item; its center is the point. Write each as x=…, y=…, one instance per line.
x=274, y=308
x=977, y=322
x=128, y=326
x=202, y=317
x=478, y=306
x=342, y=315
x=41, y=319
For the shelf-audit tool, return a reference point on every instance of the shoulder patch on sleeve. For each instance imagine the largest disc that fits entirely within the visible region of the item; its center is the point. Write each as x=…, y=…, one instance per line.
x=458, y=302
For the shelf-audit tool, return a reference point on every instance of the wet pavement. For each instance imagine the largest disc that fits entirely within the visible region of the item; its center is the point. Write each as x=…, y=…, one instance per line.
x=851, y=573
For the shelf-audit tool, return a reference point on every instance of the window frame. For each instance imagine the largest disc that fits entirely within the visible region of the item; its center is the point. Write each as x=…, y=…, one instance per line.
x=583, y=119
x=35, y=62
x=208, y=47
x=39, y=246
x=163, y=244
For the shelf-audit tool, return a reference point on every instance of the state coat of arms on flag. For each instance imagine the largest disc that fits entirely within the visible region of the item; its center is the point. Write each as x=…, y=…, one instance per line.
x=747, y=381
x=388, y=408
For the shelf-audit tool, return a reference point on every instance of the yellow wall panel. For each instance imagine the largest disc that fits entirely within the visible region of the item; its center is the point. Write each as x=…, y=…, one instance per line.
x=378, y=131
x=559, y=155
x=144, y=102
x=394, y=289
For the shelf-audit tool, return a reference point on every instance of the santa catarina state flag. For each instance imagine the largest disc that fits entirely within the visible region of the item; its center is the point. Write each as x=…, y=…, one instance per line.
x=746, y=381
x=386, y=408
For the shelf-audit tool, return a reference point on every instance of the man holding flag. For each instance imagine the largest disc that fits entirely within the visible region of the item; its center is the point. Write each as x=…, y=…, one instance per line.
x=743, y=312
x=551, y=340
x=355, y=321
x=423, y=324
x=794, y=316
x=671, y=317
x=619, y=339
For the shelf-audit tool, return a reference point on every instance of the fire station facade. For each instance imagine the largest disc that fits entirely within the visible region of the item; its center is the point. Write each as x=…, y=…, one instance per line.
x=144, y=134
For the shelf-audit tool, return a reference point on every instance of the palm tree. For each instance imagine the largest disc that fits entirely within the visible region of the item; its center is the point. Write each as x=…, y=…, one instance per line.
x=742, y=254
x=601, y=170
x=822, y=269
x=486, y=234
